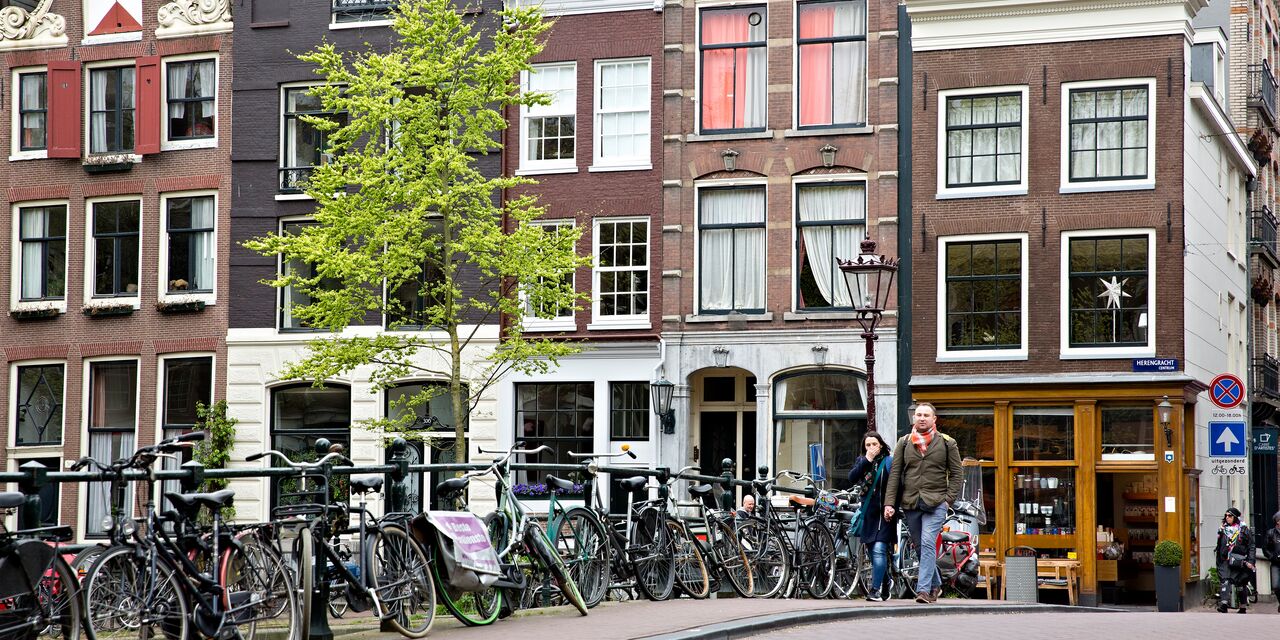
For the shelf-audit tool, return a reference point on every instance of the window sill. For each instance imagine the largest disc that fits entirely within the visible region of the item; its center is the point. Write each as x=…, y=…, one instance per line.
x=29, y=155
x=133, y=36
x=830, y=131
x=1097, y=187
x=767, y=316
x=178, y=302
x=339, y=26
x=566, y=324
x=607, y=325
x=33, y=450
x=985, y=355
x=955, y=193
x=182, y=145
x=798, y=316
x=38, y=309
x=269, y=25
x=713, y=137
x=285, y=197
x=546, y=171
x=602, y=168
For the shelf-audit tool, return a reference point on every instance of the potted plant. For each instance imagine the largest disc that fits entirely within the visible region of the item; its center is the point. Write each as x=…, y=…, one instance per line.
x=1168, y=561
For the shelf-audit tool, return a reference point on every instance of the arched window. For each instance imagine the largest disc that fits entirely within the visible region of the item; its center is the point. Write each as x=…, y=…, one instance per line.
x=300, y=415
x=442, y=449
x=819, y=414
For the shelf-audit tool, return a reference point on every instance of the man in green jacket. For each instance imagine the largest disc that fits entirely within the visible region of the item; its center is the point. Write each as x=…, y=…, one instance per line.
x=925, y=479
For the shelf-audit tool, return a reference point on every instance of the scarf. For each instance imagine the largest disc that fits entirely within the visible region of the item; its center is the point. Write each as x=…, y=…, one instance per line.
x=1232, y=532
x=922, y=440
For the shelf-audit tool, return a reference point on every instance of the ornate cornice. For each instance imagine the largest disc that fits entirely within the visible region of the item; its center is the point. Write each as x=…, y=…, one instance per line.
x=39, y=28
x=193, y=17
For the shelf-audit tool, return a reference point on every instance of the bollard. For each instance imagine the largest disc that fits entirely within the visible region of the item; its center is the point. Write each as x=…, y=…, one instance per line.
x=727, y=497
x=319, y=623
x=35, y=476
x=397, y=486
x=192, y=481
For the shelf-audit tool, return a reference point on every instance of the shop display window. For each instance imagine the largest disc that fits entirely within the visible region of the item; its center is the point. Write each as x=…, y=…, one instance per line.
x=973, y=429
x=1128, y=433
x=1044, y=501
x=1043, y=433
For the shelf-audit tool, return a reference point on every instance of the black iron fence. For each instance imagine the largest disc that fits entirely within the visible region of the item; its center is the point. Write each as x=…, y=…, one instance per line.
x=1262, y=90
x=1262, y=233
x=1266, y=376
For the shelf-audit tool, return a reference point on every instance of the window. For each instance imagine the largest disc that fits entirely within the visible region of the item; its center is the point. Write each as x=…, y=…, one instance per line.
x=732, y=246
x=111, y=96
x=984, y=140
x=300, y=415
x=622, y=112
x=560, y=415
x=411, y=303
x=305, y=146
x=833, y=63
x=43, y=235
x=549, y=129
x=1109, y=133
x=349, y=11
x=1043, y=433
x=191, y=88
x=191, y=248
x=732, y=47
x=186, y=383
x=975, y=433
x=822, y=414
x=1128, y=433
x=442, y=447
x=622, y=269
x=629, y=410
x=115, y=248
x=40, y=396
x=33, y=110
x=546, y=314
x=1107, y=291
x=983, y=293
x=113, y=422
x=832, y=220
x=292, y=297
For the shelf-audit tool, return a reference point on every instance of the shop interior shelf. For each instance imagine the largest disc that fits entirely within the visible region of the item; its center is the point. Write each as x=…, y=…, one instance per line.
x=1139, y=496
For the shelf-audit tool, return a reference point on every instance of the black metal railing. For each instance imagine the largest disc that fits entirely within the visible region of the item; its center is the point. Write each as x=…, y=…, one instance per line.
x=1262, y=90
x=1266, y=376
x=1262, y=234
x=362, y=10
x=293, y=179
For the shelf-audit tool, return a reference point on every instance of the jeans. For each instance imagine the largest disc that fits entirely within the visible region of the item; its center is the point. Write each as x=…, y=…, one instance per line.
x=879, y=565
x=1275, y=578
x=925, y=525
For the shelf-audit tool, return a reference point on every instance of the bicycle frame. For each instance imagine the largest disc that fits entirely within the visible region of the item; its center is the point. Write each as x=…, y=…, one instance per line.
x=9, y=543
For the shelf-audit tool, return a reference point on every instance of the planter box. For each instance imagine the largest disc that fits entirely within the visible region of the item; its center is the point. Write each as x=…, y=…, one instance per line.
x=1169, y=589
x=104, y=311
x=34, y=314
x=180, y=306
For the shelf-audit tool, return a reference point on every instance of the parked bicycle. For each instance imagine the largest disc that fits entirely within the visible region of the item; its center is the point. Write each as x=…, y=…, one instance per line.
x=788, y=555
x=39, y=591
x=712, y=528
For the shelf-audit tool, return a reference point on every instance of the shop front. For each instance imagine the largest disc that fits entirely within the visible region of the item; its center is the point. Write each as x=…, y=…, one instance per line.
x=1083, y=472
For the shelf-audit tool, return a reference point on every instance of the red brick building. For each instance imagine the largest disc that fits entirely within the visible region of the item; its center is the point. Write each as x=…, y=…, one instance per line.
x=118, y=193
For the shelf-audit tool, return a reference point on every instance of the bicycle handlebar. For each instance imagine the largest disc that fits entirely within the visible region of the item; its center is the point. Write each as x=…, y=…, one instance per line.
x=328, y=457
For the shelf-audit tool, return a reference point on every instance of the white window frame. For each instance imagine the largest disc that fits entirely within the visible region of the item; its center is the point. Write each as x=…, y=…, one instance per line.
x=86, y=106
x=280, y=150
x=533, y=323
x=640, y=161
x=943, y=191
x=808, y=181
x=202, y=143
x=86, y=385
x=561, y=165
x=90, y=256
x=1066, y=185
x=982, y=355
x=162, y=284
x=334, y=25
x=15, y=129
x=35, y=451
x=1066, y=351
x=280, y=292
x=630, y=321
x=16, y=302
x=697, y=245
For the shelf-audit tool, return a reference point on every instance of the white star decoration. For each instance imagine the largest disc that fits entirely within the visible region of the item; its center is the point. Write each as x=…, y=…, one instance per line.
x=1115, y=291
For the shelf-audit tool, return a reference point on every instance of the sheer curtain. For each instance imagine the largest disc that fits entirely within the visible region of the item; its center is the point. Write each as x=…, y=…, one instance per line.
x=202, y=250
x=207, y=79
x=33, y=226
x=733, y=260
x=849, y=65
x=178, y=89
x=98, y=121
x=824, y=244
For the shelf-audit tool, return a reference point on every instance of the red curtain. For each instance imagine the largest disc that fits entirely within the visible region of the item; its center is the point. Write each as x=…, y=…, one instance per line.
x=724, y=71
x=815, y=65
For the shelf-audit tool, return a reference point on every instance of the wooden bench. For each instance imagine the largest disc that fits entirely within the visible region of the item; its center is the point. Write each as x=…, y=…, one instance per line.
x=1060, y=574
x=990, y=576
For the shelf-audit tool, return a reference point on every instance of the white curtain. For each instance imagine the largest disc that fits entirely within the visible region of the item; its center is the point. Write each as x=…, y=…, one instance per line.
x=98, y=121
x=849, y=65
x=202, y=249
x=178, y=89
x=105, y=447
x=207, y=79
x=733, y=260
x=33, y=226
x=824, y=244
x=756, y=110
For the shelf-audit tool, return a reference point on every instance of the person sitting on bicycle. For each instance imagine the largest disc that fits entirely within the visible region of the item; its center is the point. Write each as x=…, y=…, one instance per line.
x=872, y=472
x=1234, y=553
x=1271, y=549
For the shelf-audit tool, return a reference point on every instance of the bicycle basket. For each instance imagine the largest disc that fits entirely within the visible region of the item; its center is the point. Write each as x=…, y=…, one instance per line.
x=463, y=548
x=23, y=567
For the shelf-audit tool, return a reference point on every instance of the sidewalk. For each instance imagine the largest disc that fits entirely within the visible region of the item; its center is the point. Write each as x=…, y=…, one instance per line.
x=688, y=619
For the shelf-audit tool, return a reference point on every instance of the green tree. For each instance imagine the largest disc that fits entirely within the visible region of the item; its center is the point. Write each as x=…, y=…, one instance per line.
x=402, y=208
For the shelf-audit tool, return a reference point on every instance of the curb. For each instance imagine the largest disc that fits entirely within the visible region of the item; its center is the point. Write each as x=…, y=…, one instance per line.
x=744, y=627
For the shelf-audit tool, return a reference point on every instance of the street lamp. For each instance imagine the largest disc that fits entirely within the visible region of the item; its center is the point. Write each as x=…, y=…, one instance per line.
x=1166, y=417
x=662, y=391
x=869, y=278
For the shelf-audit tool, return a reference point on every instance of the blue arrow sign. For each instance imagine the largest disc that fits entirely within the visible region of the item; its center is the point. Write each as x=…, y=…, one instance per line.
x=1226, y=440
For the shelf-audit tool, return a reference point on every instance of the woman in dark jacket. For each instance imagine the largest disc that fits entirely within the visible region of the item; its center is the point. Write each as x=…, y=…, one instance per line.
x=1235, y=556
x=1271, y=551
x=872, y=472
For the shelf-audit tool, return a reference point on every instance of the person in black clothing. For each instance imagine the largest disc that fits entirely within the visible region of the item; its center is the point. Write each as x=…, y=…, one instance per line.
x=871, y=471
x=1271, y=550
x=1235, y=556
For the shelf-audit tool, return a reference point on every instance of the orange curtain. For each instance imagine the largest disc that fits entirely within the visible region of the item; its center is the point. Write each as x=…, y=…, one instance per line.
x=724, y=71
x=815, y=65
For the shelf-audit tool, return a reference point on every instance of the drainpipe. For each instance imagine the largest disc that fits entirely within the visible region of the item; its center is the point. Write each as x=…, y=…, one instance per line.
x=904, y=214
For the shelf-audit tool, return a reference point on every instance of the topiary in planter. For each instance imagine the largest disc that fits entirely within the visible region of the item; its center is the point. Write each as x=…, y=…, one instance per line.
x=1168, y=554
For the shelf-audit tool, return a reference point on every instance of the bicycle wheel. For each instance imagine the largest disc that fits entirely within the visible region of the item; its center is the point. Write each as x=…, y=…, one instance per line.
x=690, y=566
x=732, y=558
x=402, y=582
x=83, y=561
x=767, y=555
x=583, y=544
x=126, y=600
x=499, y=527
x=908, y=561
x=866, y=570
x=846, y=574
x=304, y=560
x=258, y=595
x=540, y=546
x=51, y=611
x=651, y=555
x=473, y=609
x=819, y=557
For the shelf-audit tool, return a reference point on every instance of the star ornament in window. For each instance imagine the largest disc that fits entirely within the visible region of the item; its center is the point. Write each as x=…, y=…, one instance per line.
x=1114, y=291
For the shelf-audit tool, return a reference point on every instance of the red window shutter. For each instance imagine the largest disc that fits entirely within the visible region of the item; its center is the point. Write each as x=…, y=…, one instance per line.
x=146, y=120
x=64, y=109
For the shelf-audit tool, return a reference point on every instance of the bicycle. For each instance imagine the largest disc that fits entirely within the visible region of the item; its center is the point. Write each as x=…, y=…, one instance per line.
x=392, y=576
x=471, y=608
x=40, y=593
x=151, y=581
x=722, y=550
x=794, y=555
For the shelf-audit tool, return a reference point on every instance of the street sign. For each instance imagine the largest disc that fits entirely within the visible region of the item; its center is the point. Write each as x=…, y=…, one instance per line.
x=1154, y=365
x=1226, y=440
x=1265, y=439
x=1226, y=391
x=817, y=468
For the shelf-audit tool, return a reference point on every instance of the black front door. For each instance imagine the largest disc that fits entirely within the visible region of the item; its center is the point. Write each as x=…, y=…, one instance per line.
x=718, y=439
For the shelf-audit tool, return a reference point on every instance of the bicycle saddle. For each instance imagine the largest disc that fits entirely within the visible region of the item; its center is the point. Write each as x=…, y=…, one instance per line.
x=12, y=499
x=189, y=501
x=366, y=484
x=559, y=483
x=452, y=487
x=634, y=484
x=954, y=536
x=700, y=490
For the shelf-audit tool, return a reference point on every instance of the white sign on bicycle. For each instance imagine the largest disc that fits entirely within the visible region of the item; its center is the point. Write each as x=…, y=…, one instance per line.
x=470, y=540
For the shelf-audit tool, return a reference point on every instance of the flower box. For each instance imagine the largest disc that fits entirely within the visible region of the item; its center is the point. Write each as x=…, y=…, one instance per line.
x=180, y=306
x=107, y=310
x=539, y=490
x=34, y=313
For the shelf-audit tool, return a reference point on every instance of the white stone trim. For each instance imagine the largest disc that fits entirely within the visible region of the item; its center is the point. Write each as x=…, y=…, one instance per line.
x=182, y=18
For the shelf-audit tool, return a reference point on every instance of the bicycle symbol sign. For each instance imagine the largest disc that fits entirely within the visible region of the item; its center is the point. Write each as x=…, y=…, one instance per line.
x=1226, y=391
